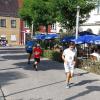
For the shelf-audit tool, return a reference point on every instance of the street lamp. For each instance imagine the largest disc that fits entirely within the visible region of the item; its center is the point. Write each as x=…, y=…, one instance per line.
x=77, y=21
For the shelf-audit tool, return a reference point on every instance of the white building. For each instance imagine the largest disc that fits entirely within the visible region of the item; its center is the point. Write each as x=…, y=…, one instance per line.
x=56, y=28
x=93, y=23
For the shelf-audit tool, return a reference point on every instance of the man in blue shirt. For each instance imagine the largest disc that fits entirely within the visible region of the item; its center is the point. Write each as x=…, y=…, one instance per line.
x=29, y=49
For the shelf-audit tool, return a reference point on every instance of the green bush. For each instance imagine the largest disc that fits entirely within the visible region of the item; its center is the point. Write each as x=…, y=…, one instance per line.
x=57, y=56
x=47, y=53
x=54, y=55
x=90, y=66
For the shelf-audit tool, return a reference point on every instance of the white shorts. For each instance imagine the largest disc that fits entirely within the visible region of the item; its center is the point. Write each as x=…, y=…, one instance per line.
x=69, y=67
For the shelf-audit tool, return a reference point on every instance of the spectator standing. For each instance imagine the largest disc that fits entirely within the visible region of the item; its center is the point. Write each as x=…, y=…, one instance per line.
x=95, y=56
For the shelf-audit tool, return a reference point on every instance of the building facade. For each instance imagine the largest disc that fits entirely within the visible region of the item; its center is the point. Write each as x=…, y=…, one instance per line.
x=12, y=28
x=54, y=28
x=93, y=23
x=9, y=21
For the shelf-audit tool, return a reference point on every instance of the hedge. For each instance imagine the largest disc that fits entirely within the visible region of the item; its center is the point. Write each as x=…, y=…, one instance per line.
x=54, y=55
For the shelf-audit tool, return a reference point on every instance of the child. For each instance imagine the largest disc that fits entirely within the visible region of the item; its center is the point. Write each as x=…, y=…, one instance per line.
x=68, y=57
x=37, y=51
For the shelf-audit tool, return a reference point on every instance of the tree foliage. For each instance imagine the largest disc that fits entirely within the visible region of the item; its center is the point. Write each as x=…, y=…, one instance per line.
x=25, y=12
x=40, y=12
x=45, y=12
x=67, y=11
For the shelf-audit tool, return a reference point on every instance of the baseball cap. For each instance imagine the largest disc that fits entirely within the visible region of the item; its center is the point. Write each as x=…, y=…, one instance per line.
x=38, y=45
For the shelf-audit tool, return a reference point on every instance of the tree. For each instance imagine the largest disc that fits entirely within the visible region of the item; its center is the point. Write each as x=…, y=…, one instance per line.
x=67, y=12
x=45, y=12
x=25, y=12
x=40, y=12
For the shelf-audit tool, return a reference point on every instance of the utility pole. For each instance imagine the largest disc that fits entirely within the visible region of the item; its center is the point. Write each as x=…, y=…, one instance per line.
x=77, y=21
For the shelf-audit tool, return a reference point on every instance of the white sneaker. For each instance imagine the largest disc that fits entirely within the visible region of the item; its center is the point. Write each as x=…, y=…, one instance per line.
x=36, y=68
x=67, y=86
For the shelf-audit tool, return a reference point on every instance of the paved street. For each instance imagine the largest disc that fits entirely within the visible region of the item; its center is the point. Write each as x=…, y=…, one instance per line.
x=19, y=81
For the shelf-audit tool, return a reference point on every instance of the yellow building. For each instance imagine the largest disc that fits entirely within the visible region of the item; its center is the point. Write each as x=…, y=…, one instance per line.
x=10, y=29
x=9, y=21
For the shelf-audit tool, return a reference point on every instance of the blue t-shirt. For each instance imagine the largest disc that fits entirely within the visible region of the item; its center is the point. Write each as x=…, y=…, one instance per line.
x=29, y=46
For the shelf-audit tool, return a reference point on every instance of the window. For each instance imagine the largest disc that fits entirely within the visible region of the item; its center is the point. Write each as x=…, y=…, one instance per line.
x=13, y=37
x=13, y=23
x=53, y=27
x=26, y=24
x=2, y=22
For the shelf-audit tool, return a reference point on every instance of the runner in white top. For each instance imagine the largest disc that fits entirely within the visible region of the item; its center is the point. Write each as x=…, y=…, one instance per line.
x=68, y=56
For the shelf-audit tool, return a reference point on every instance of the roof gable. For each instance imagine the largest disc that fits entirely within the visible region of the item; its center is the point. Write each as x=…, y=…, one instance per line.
x=9, y=8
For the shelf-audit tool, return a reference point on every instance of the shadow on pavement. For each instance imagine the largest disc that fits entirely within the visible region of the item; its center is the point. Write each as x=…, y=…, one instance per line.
x=85, y=82
x=43, y=66
x=15, y=57
x=89, y=90
x=39, y=87
x=24, y=65
x=11, y=51
x=9, y=68
x=49, y=64
x=80, y=74
x=6, y=77
x=2, y=60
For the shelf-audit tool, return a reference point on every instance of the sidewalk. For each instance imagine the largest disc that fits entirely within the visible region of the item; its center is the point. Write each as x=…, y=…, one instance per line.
x=20, y=82
x=1, y=95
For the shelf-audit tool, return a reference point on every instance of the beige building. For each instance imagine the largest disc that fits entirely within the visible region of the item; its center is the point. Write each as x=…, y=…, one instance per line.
x=10, y=29
x=10, y=24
